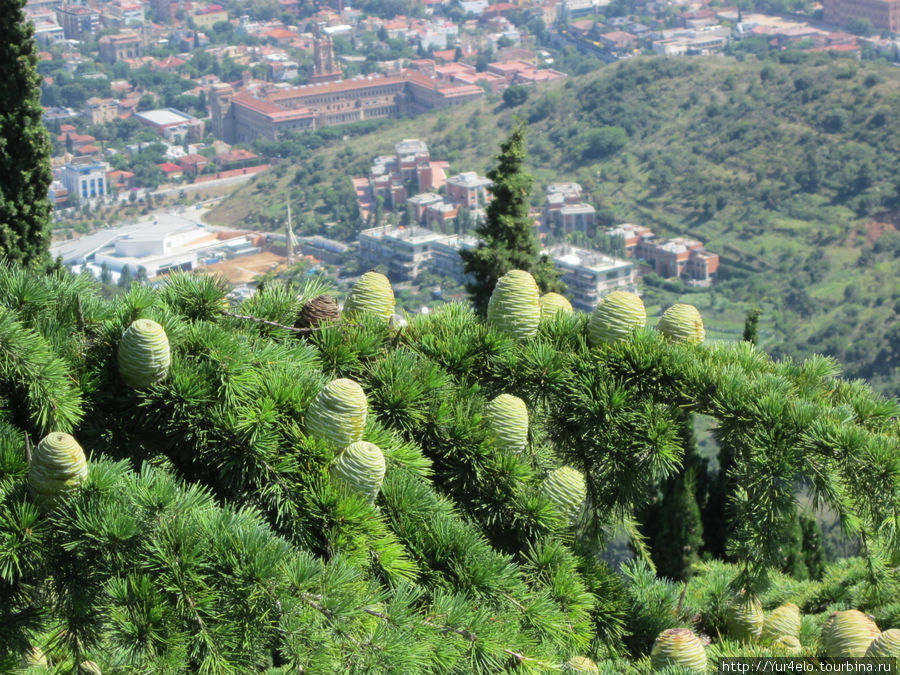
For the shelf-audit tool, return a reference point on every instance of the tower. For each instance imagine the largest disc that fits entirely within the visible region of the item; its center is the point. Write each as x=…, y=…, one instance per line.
x=324, y=67
x=220, y=111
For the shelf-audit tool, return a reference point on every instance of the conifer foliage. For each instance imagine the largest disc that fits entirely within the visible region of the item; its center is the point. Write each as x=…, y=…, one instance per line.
x=24, y=143
x=218, y=530
x=507, y=234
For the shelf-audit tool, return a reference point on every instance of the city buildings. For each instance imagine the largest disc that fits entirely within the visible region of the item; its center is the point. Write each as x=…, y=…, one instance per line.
x=85, y=180
x=408, y=251
x=590, y=275
x=241, y=117
x=119, y=47
x=172, y=124
x=468, y=189
x=405, y=251
x=884, y=15
x=409, y=169
x=678, y=257
x=565, y=212
x=78, y=22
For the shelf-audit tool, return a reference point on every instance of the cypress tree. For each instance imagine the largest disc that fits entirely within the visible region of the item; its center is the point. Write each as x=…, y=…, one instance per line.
x=813, y=553
x=751, y=325
x=673, y=524
x=24, y=142
x=507, y=235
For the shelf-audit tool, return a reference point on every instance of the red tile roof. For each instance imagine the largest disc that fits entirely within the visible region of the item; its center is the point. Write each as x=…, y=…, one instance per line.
x=168, y=167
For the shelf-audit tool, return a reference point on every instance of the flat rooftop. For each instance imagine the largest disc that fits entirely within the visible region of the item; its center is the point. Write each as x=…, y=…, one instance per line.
x=163, y=117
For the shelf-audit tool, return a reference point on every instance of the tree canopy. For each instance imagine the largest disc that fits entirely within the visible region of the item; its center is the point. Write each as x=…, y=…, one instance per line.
x=212, y=534
x=507, y=239
x=25, y=147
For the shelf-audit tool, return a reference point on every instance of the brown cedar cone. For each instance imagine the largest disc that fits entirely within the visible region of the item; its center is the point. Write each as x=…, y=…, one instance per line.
x=320, y=308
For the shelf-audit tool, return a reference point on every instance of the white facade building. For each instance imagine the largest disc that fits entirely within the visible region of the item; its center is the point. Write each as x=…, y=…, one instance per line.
x=590, y=275
x=85, y=180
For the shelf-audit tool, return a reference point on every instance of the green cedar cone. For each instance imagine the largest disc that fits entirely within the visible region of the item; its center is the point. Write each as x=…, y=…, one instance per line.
x=784, y=620
x=886, y=645
x=144, y=354
x=615, y=317
x=565, y=487
x=338, y=413
x=848, y=634
x=361, y=468
x=581, y=664
x=678, y=647
x=58, y=465
x=745, y=619
x=788, y=644
x=24, y=143
x=514, y=307
x=507, y=417
x=682, y=323
x=371, y=294
x=553, y=304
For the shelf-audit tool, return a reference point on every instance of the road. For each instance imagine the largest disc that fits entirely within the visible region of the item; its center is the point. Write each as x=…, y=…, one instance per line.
x=189, y=187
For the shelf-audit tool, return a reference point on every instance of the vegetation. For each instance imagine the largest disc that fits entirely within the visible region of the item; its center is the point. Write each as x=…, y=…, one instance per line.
x=24, y=143
x=507, y=240
x=808, y=235
x=219, y=529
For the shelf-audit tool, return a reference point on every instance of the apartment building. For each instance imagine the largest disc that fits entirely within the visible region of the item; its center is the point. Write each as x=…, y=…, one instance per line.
x=590, y=275
x=78, y=22
x=405, y=251
x=678, y=257
x=85, y=179
x=470, y=190
x=565, y=212
x=119, y=47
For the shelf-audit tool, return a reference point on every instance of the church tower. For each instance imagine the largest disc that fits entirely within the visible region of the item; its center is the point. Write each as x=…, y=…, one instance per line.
x=324, y=67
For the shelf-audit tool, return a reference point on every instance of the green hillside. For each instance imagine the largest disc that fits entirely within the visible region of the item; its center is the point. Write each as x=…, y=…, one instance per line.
x=788, y=169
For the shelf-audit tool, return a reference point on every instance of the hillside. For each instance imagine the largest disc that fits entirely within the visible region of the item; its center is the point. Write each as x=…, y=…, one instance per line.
x=787, y=168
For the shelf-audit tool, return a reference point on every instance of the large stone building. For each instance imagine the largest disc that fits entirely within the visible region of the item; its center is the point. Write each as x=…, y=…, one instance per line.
x=119, y=47
x=241, y=117
x=884, y=15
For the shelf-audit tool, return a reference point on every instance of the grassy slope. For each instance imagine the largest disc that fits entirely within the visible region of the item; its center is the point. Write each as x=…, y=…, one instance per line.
x=777, y=166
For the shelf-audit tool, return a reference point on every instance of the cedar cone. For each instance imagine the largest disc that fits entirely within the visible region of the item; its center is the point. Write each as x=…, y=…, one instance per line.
x=320, y=308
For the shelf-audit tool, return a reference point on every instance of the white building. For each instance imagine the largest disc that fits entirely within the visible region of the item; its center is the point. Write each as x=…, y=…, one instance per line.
x=590, y=275
x=403, y=250
x=445, y=259
x=165, y=243
x=85, y=179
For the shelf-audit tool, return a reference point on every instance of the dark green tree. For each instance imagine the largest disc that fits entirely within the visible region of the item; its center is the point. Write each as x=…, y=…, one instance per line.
x=751, y=325
x=105, y=275
x=813, y=553
x=25, y=147
x=673, y=523
x=507, y=235
x=125, y=277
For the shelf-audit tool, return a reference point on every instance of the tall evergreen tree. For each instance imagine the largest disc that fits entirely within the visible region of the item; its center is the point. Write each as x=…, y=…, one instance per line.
x=507, y=235
x=751, y=325
x=813, y=553
x=673, y=522
x=24, y=143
